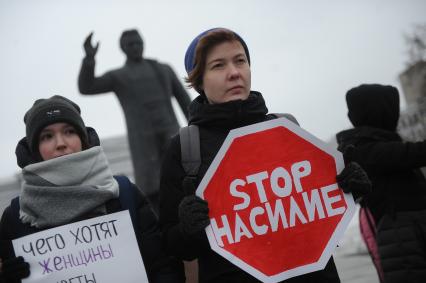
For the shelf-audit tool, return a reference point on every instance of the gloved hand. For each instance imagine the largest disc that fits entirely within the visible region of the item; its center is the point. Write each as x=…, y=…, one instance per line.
x=353, y=179
x=193, y=215
x=14, y=269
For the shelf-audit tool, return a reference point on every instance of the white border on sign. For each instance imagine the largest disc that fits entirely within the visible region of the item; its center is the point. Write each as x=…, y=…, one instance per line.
x=340, y=228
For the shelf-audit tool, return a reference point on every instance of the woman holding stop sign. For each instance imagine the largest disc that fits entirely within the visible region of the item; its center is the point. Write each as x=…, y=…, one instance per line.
x=218, y=65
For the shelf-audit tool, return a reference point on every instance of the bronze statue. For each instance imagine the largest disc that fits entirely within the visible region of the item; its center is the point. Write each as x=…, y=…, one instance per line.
x=144, y=88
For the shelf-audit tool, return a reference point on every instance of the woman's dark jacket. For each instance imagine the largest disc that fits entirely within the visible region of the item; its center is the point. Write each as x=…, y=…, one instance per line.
x=214, y=122
x=159, y=267
x=398, y=198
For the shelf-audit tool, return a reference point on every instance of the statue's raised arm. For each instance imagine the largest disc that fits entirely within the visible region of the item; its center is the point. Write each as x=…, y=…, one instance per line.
x=87, y=82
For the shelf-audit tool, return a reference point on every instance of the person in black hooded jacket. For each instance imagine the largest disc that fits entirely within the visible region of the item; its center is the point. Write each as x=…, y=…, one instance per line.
x=218, y=67
x=398, y=199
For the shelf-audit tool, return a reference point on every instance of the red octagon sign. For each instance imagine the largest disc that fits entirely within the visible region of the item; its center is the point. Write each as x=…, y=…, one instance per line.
x=275, y=208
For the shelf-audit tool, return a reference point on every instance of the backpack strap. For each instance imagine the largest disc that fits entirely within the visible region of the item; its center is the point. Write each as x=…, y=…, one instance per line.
x=190, y=156
x=15, y=206
x=18, y=229
x=127, y=197
x=285, y=115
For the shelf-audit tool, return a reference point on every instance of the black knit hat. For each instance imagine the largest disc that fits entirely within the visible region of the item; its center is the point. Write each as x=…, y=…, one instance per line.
x=47, y=111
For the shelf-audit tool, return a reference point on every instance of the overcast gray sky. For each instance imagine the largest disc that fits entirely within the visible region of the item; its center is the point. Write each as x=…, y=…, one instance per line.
x=305, y=54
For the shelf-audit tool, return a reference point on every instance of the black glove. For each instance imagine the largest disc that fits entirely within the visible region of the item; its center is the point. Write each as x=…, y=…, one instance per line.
x=353, y=179
x=14, y=269
x=193, y=215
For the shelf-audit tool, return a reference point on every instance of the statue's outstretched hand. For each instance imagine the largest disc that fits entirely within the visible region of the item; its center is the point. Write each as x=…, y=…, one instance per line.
x=89, y=48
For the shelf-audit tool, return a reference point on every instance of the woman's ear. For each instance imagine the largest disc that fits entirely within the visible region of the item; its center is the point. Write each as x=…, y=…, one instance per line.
x=92, y=137
x=23, y=153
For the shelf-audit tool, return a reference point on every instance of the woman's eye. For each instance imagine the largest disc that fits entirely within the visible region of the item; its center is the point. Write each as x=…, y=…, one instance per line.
x=70, y=131
x=45, y=137
x=217, y=66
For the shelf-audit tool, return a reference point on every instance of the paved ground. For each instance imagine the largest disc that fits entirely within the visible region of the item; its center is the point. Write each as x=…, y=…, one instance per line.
x=356, y=269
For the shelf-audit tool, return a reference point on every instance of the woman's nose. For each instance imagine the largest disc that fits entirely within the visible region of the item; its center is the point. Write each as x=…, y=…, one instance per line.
x=60, y=141
x=234, y=72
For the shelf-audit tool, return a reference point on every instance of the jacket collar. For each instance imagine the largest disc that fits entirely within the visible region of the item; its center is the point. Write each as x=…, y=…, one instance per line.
x=230, y=114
